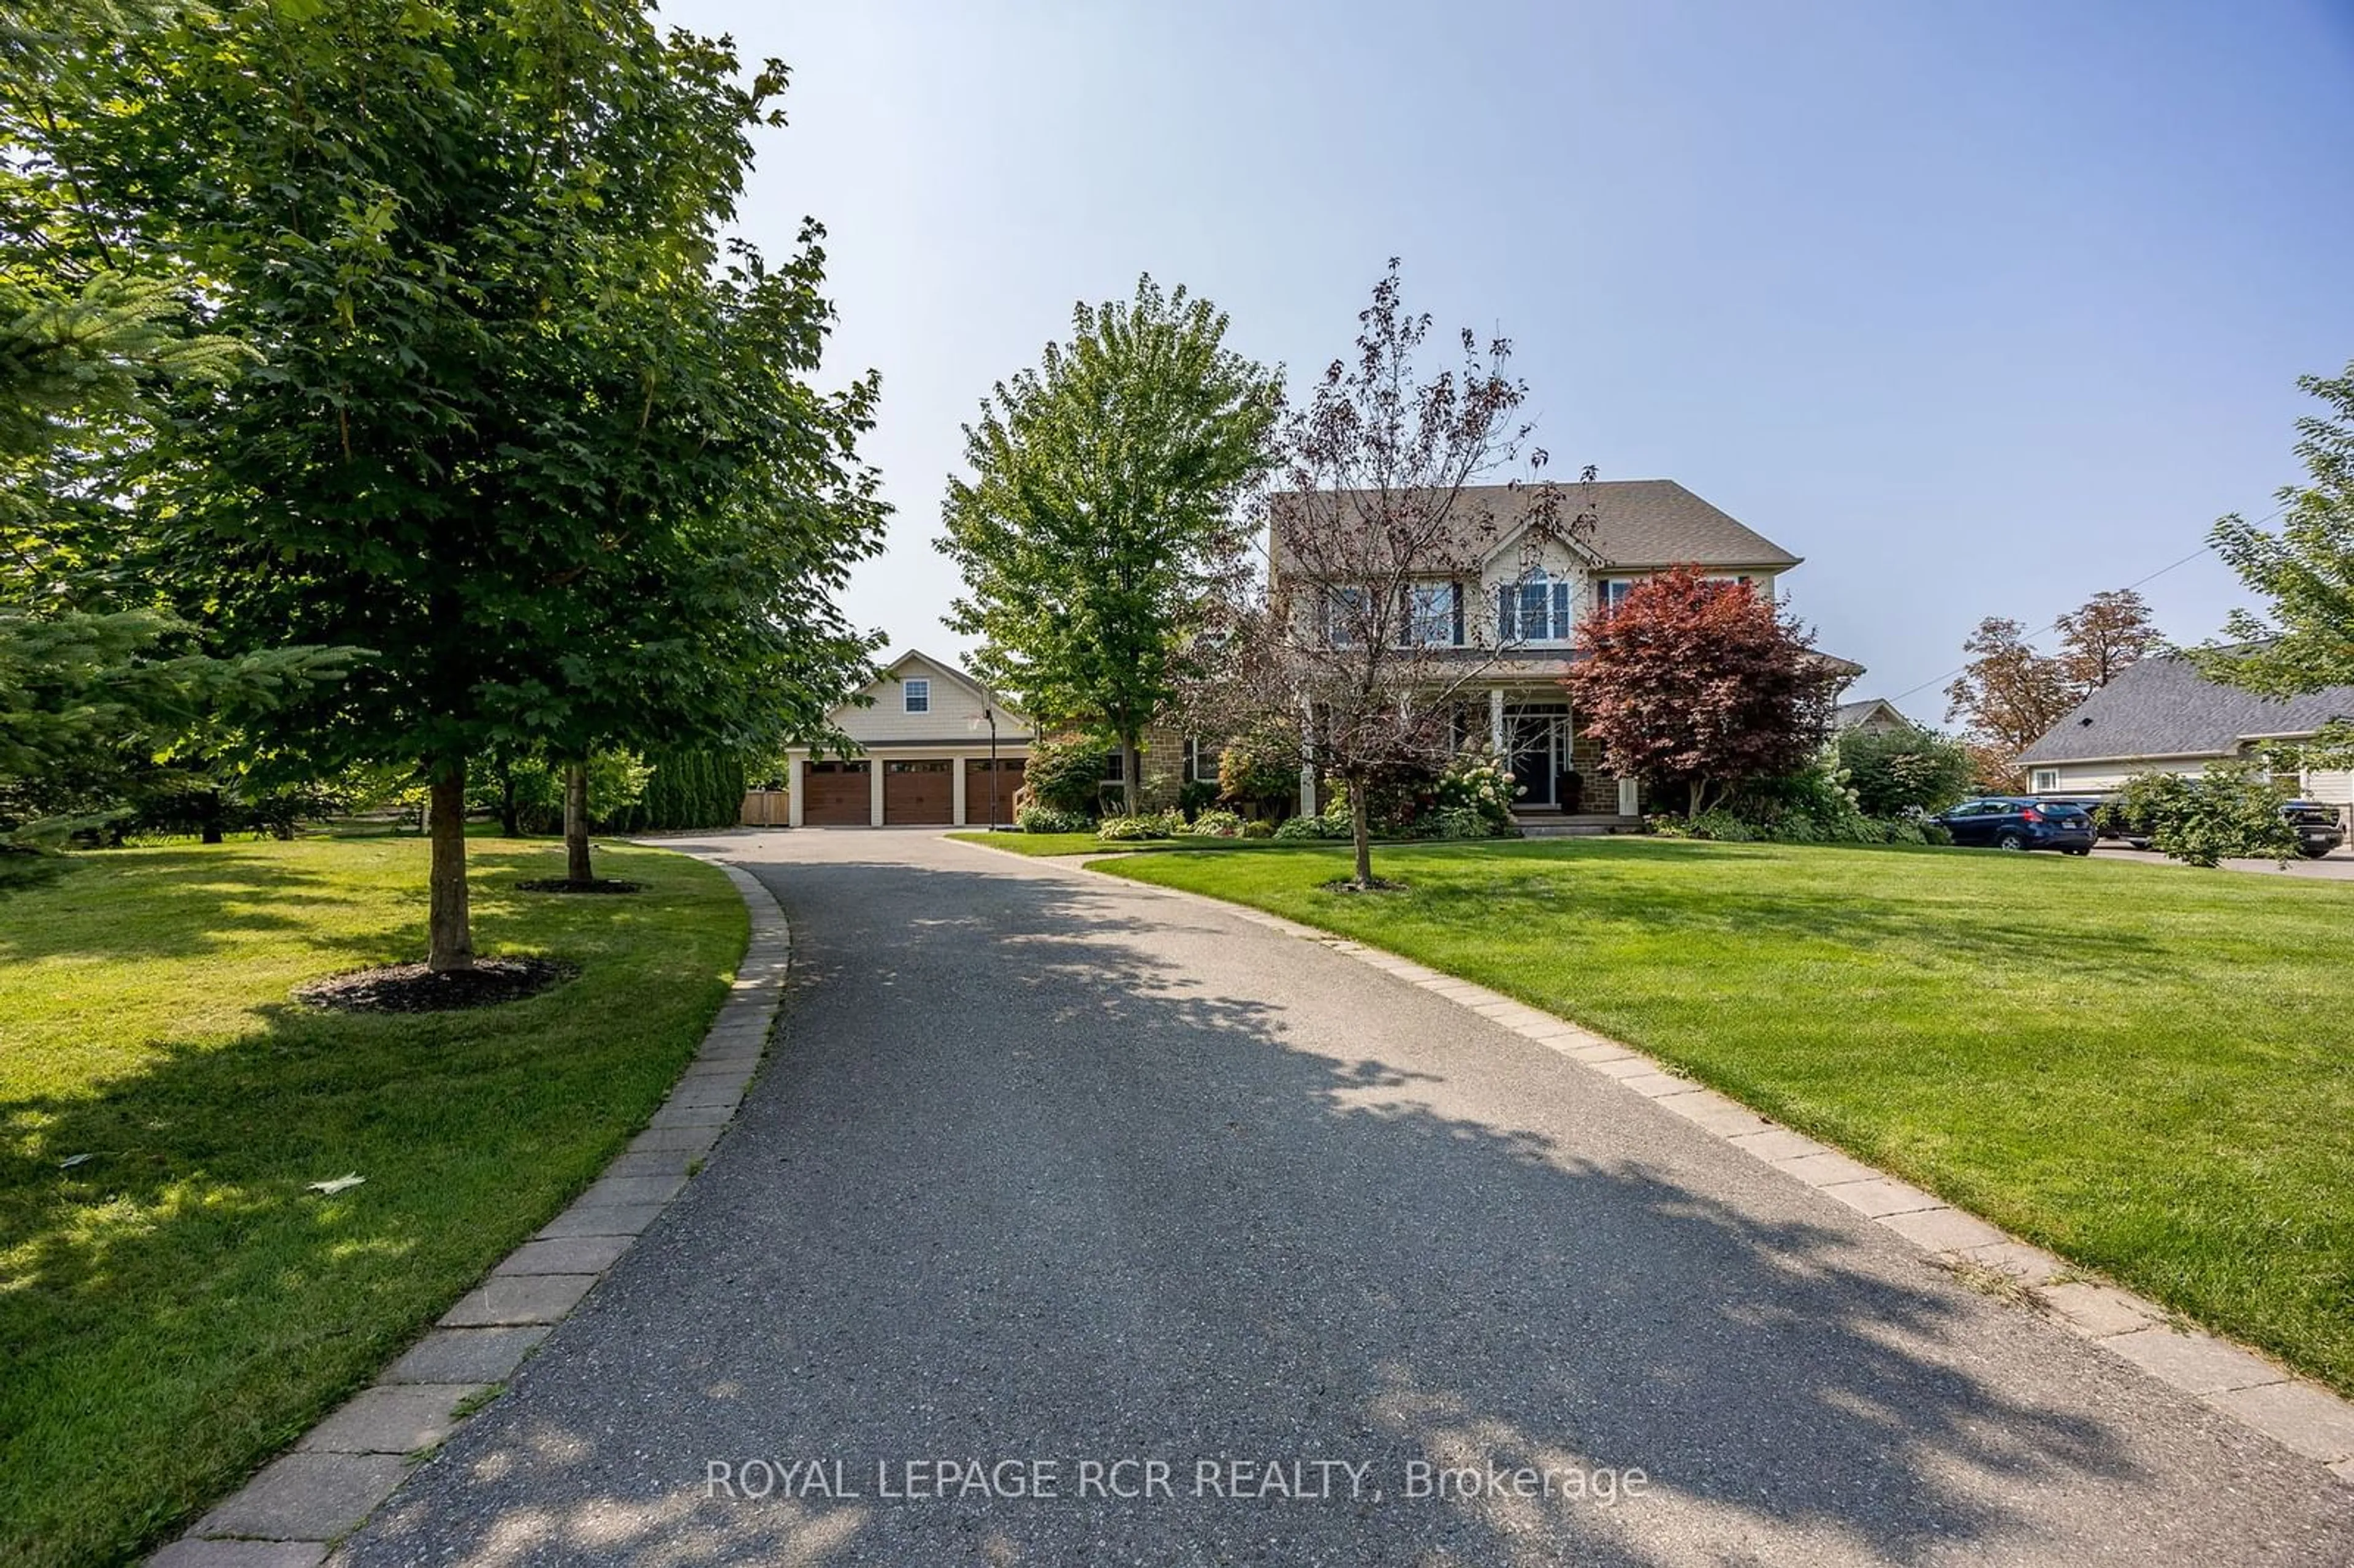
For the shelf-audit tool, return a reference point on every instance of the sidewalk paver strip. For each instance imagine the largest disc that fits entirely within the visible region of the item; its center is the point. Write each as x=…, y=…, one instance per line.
x=2311, y=1420
x=466, y=1355
x=291, y=1513
x=392, y=1418
x=307, y=1497
x=191, y=1553
x=510, y=1298
x=567, y=1254
x=2199, y=1363
x=600, y=1220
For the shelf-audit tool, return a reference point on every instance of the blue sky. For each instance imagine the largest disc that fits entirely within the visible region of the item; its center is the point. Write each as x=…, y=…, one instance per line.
x=1980, y=309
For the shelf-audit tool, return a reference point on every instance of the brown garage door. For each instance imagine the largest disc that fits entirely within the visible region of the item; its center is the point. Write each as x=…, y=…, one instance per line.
x=918, y=792
x=834, y=795
x=977, y=775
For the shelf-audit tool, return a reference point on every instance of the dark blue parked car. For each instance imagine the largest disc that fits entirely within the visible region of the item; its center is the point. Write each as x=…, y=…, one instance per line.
x=2016, y=823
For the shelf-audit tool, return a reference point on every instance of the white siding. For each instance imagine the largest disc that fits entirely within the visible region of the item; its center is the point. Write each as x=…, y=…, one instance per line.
x=2100, y=777
x=2335, y=786
x=954, y=716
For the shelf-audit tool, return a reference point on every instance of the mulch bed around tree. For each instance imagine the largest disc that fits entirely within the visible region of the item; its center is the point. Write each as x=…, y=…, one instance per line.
x=413, y=988
x=562, y=885
x=1351, y=884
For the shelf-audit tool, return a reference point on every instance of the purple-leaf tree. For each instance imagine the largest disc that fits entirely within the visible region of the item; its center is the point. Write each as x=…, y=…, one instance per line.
x=1702, y=685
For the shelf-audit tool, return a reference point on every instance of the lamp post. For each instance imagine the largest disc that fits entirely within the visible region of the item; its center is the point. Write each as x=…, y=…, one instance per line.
x=991, y=714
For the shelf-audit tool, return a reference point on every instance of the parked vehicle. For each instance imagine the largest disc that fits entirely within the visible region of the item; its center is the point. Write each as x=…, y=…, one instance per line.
x=2018, y=822
x=2317, y=830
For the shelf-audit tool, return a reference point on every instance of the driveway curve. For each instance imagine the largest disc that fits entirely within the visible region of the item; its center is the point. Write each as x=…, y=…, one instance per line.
x=1048, y=1173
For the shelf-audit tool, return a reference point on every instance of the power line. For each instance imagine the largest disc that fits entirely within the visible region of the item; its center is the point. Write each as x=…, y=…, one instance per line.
x=2055, y=624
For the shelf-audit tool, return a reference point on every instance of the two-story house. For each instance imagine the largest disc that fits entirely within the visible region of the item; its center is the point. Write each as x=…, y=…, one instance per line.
x=1512, y=607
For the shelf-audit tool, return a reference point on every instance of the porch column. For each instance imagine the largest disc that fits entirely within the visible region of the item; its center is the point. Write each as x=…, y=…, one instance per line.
x=793, y=773
x=1496, y=720
x=1306, y=761
x=955, y=790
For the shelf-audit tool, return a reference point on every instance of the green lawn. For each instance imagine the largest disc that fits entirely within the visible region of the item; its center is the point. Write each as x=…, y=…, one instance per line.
x=2149, y=1069
x=177, y=1306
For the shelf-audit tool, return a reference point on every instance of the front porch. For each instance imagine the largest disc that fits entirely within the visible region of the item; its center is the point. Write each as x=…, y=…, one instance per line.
x=1562, y=783
x=1564, y=790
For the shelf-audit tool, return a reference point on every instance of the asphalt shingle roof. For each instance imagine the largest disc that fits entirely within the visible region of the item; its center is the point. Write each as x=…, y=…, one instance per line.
x=1638, y=523
x=1659, y=523
x=1855, y=712
x=2164, y=707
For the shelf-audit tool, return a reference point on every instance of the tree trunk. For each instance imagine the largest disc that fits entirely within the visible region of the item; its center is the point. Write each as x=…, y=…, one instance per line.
x=575, y=823
x=1130, y=785
x=1361, y=829
x=1694, y=788
x=450, y=933
x=210, y=833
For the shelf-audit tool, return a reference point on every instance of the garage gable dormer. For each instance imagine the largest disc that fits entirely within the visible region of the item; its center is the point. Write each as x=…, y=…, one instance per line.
x=919, y=700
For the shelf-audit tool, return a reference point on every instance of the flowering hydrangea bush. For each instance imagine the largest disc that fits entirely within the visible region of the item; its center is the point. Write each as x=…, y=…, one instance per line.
x=1216, y=824
x=1480, y=784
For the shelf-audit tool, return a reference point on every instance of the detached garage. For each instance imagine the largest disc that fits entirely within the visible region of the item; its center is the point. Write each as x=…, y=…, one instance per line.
x=925, y=757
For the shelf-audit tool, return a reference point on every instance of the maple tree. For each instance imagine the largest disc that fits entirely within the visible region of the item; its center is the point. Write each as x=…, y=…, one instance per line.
x=1701, y=685
x=2103, y=636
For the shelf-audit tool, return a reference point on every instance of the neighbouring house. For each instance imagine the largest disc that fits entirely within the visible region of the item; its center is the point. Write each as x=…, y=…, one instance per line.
x=1521, y=616
x=1875, y=715
x=2162, y=716
x=924, y=754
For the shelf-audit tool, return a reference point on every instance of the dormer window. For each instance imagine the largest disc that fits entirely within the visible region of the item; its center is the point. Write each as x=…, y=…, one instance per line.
x=1537, y=609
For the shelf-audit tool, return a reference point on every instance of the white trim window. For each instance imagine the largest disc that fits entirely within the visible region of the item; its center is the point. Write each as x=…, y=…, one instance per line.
x=1344, y=613
x=917, y=693
x=1433, y=616
x=2043, y=780
x=1609, y=593
x=1538, y=608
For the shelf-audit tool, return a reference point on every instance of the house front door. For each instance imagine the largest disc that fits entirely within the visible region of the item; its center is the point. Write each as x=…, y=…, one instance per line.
x=1539, y=736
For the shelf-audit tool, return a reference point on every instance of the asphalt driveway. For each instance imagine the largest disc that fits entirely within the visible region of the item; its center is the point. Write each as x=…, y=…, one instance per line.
x=2338, y=865
x=1050, y=1172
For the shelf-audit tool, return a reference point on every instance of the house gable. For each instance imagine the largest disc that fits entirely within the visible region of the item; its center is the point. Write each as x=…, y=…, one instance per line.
x=953, y=711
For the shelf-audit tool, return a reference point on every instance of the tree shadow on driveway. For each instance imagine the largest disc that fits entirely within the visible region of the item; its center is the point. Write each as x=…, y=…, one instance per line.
x=1048, y=1170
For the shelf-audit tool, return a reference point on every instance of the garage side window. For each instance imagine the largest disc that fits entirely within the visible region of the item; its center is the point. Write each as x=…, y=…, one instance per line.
x=919, y=695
